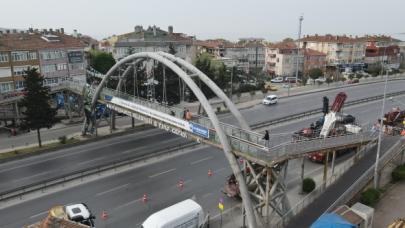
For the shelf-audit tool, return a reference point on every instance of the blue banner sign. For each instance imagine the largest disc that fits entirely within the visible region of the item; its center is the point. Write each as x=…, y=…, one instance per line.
x=200, y=130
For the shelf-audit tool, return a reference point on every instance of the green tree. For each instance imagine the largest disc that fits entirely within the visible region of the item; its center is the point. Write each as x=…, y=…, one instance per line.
x=38, y=111
x=329, y=80
x=374, y=70
x=101, y=61
x=315, y=73
x=288, y=39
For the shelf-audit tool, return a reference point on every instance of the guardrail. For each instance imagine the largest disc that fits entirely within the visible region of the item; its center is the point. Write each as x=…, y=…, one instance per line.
x=42, y=185
x=351, y=191
x=319, y=110
x=367, y=176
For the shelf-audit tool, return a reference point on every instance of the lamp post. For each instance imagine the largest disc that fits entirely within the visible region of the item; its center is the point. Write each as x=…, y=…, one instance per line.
x=377, y=159
x=301, y=18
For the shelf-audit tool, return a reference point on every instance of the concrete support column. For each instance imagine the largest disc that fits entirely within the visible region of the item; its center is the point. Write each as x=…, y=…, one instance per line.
x=133, y=122
x=325, y=169
x=267, y=200
x=17, y=113
x=113, y=119
x=302, y=170
x=333, y=162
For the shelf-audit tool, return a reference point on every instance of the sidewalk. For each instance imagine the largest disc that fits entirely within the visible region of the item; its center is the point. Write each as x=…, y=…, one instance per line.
x=391, y=206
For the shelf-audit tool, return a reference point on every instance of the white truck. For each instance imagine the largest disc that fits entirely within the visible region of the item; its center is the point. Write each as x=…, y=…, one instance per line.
x=186, y=214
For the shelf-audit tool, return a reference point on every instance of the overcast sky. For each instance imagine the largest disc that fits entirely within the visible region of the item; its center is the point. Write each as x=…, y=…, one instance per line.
x=230, y=19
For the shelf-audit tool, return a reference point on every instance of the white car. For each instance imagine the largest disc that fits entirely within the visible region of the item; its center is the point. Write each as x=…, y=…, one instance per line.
x=277, y=80
x=322, y=80
x=270, y=99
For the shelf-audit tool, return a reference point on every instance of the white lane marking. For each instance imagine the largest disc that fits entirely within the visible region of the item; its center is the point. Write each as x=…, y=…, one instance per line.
x=127, y=204
x=89, y=161
x=111, y=190
x=29, y=177
x=147, y=146
x=86, y=148
x=39, y=214
x=201, y=160
x=161, y=173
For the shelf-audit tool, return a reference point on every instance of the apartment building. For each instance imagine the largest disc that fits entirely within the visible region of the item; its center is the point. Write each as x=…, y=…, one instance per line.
x=256, y=53
x=154, y=39
x=281, y=59
x=56, y=55
x=338, y=49
x=382, y=49
x=313, y=59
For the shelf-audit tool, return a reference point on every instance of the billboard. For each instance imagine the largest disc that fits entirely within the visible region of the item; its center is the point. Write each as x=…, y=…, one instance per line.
x=75, y=57
x=164, y=117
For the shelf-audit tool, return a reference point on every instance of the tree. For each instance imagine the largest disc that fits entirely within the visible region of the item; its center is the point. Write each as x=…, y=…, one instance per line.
x=38, y=111
x=101, y=61
x=315, y=73
x=329, y=80
x=288, y=39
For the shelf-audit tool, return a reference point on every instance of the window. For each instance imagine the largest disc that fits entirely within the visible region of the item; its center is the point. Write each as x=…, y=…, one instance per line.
x=49, y=68
x=6, y=87
x=50, y=81
x=19, y=85
x=54, y=54
x=19, y=55
x=32, y=55
x=61, y=66
x=3, y=57
x=76, y=66
x=20, y=70
x=5, y=72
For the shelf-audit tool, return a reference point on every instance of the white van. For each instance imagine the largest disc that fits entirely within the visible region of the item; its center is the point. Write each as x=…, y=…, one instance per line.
x=270, y=99
x=186, y=214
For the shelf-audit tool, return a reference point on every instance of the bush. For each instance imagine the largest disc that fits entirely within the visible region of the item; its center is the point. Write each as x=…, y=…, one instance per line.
x=370, y=196
x=62, y=139
x=399, y=173
x=252, y=93
x=218, y=109
x=308, y=185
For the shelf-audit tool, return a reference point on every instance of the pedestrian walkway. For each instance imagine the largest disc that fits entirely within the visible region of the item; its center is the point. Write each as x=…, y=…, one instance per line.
x=323, y=202
x=391, y=206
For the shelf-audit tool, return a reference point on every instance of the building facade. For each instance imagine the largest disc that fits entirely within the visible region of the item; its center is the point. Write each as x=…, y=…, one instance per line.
x=56, y=55
x=281, y=59
x=338, y=49
x=154, y=39
x=314, y=59
x=382, y=49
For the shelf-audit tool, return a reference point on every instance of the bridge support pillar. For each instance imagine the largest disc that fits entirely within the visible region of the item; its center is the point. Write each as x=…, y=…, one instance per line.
x=333, y=162
x=325, y=170
x=17, y=113
x=133, y=122
x=112, y=120
x=302, y=170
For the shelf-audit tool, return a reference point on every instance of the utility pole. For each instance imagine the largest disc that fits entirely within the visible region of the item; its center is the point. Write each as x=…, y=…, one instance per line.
x=301, y=18
x=377, y=159
x=257, y=49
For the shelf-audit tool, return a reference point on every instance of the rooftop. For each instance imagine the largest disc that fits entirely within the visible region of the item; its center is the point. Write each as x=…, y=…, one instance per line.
x=36, y=40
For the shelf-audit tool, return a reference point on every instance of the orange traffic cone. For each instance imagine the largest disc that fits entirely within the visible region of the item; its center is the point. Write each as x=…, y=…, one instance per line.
x=104, y=215
x=210, y=172
x=145, y=198
x=181, y=184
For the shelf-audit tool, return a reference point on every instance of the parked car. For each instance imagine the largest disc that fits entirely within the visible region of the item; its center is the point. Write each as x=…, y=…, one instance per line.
x=353, y=81
x=320, y=80
x=270, y=99
x=277, y=80
x=292, y=80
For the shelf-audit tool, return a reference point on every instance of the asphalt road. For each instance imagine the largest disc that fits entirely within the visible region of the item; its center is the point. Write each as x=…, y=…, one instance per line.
x=121, y=194
x=259, y=113
x=302, y=103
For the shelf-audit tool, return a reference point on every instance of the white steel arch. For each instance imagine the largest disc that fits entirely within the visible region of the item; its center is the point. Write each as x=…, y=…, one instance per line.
x=210, y=112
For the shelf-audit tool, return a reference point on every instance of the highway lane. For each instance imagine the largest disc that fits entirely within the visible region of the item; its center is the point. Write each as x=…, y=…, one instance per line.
x=120, y=194
x=288, y=106
x=45, y=166
x=253, y=115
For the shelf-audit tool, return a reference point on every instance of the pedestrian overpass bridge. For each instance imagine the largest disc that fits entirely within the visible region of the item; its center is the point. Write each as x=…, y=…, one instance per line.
x=264, y=183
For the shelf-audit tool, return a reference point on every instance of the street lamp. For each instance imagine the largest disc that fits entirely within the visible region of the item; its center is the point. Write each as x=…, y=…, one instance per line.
x=377, y=159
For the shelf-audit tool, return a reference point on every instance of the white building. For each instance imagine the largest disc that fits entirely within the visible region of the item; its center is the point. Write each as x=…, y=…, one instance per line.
x=153, y=39
x=281, y=59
